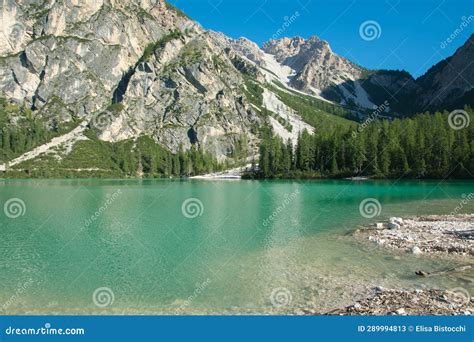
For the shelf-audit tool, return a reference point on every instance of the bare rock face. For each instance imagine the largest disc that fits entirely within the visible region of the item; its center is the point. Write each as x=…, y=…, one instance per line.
x=284, y=48
x=167, y=77
x=449, y=83
x=316, y=66
x=186, y=93
x=319, y=71
x=449, y=234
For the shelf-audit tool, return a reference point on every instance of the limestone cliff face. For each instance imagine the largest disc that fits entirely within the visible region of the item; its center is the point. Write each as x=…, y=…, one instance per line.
x=188, y=91
x=168, y=78
x=316, y=66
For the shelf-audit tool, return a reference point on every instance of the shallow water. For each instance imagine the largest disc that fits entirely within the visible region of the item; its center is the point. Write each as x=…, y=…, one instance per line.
x=253, y=247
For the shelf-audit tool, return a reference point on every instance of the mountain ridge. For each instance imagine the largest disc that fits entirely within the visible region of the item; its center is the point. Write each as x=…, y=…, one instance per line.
x=144, y=70
x=338, y=79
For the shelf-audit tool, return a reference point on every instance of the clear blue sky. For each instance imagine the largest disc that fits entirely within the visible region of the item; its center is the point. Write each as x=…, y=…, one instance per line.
x=412, y=31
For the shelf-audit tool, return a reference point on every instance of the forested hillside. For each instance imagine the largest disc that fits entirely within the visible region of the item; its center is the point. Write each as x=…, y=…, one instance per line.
x=426, y=146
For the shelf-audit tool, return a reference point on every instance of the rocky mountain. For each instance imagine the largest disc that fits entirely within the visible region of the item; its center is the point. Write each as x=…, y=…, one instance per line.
x=131, y=68
x=317, y=70
x=94, y=77
x=450, y=82
x=76, y=74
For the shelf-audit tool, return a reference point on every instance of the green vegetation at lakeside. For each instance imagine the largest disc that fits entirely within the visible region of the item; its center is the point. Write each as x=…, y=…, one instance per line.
x=425, y=146
x=140, y=158
x=21, y=131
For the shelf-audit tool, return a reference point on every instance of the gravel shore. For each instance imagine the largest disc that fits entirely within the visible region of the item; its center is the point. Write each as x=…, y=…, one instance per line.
x=416, y=302
x=448, y=234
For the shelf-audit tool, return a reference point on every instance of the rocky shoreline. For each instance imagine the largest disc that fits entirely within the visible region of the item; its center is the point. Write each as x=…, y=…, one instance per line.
x=449, y=235
x=417, y=302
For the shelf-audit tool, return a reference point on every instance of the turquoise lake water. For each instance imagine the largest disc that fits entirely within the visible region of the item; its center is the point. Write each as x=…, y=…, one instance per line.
x=198, y=247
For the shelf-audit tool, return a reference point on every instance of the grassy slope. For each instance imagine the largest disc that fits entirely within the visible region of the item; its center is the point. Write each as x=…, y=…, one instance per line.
x=311, y=110
x=87, y=154
x=317, y=113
